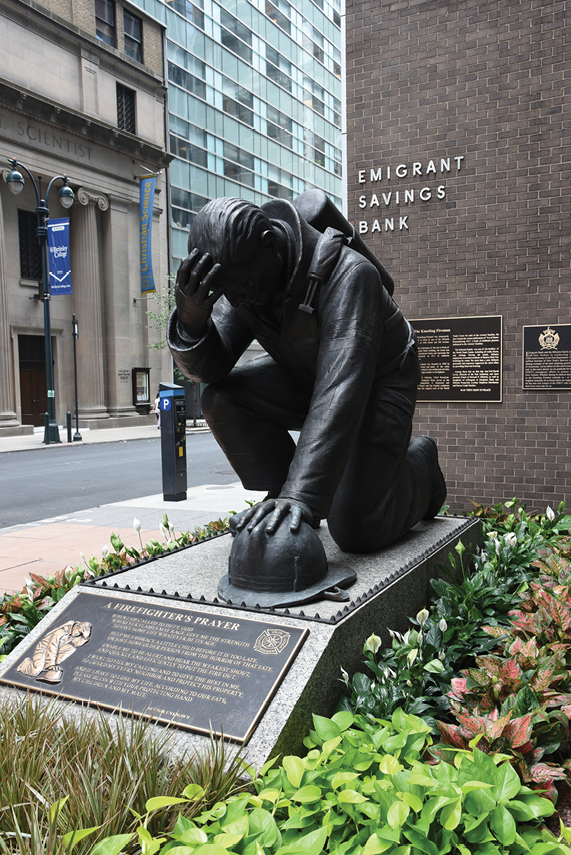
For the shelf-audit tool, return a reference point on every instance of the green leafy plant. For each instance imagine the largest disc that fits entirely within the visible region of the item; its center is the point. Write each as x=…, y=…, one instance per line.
x=505, y=627
x=518, y=699
x=413, y=675
x=159, y=318
x=365, y=790
x=535, y=739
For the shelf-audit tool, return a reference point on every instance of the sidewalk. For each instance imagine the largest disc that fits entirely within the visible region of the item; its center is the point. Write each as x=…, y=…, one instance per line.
x=88, y=437
x=46, y=546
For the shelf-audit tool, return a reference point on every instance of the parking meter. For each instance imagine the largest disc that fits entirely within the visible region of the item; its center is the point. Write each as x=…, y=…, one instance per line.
x=173, y=441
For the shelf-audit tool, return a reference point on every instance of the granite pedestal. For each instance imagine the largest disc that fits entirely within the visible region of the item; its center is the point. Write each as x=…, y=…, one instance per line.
x=391, y=586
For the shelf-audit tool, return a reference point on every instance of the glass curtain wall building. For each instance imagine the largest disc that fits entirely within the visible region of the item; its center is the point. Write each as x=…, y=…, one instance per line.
x=254, y=101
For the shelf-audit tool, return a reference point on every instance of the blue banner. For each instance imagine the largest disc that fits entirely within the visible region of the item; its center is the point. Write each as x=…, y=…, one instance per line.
x=146, y=200
x=58, y=246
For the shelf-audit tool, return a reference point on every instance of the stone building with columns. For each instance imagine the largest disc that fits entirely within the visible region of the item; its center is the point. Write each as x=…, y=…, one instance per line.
x=82, y=94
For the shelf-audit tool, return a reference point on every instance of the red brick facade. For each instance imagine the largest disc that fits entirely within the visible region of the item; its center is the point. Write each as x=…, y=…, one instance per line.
x=488, y=83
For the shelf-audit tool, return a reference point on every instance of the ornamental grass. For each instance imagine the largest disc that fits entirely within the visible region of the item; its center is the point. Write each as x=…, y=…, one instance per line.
x=60, y=772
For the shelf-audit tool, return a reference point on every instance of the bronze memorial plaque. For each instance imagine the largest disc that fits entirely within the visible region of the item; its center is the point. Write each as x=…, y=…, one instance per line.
x=460, y=359
x=196, y=669
x=547, y=357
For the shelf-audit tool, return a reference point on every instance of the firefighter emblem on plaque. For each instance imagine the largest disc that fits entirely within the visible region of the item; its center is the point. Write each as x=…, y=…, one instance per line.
x=272, y=641
x=549, y=339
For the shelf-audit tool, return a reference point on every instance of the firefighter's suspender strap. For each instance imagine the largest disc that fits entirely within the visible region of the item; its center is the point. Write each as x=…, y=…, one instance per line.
x=324, y=260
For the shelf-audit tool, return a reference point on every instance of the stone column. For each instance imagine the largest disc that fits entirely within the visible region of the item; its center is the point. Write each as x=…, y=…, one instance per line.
x=9, y=424
x=122, y=346
x=88, y=305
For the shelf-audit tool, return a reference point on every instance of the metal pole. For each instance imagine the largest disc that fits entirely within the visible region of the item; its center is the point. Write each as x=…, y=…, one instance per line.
x=77, y=435
x=16, y=182
x=194, y=403
x=51, y=434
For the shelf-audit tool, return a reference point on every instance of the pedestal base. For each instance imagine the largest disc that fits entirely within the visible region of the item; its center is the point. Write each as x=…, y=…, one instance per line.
x=391, y=585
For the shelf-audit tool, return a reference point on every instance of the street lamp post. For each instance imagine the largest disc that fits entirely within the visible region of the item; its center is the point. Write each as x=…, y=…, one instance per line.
x=15, y=181
x=77, y=435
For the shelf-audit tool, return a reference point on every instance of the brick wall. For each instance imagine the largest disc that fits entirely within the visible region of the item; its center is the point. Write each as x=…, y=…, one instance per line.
x=488, y=82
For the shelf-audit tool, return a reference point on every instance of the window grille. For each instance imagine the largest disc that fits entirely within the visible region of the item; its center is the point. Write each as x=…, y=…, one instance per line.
x=30, y=250
x=126, y=109
x=31, y=348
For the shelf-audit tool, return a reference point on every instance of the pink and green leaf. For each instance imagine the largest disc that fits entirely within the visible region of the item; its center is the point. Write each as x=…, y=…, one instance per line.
x=518, y=731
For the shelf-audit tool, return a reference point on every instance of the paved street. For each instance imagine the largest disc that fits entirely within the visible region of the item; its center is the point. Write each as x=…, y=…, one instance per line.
x=58, y=501
x=64, y=479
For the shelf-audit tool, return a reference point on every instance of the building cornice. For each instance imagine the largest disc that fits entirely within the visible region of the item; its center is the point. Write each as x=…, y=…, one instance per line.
x=28, y=104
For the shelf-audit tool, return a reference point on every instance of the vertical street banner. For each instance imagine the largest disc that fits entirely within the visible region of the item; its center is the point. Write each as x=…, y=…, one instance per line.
x=58, y=256
x=146, y=200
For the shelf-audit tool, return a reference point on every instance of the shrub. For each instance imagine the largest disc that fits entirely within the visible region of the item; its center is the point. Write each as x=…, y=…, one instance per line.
x=366, y=790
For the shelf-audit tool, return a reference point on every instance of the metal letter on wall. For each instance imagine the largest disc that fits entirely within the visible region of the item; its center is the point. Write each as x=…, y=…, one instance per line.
x=547, y=357
x=460, y=359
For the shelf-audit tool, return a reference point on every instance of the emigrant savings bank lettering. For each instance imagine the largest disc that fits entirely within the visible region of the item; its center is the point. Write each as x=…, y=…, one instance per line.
x=392, y=186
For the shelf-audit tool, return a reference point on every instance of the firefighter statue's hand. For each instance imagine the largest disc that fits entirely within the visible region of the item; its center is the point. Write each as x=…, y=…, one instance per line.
x=197, y=289
x=271, y=513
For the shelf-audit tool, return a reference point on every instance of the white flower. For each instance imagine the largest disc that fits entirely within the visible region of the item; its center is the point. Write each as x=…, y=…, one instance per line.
x=442, y=655
x=420, y=637
x=105, y=551
x=442, y=625
x=510, y=538
x=497, y=542
x=550, y=513
x=392, y=673
x=423, y=616
x=372, y=644
x=136, y=526
x=82, y=556
x=412, y=656
x=344, y=675
x=492, y=535
x=68, y=573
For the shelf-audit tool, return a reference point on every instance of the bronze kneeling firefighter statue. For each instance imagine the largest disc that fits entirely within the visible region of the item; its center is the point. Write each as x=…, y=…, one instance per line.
x=341, y=367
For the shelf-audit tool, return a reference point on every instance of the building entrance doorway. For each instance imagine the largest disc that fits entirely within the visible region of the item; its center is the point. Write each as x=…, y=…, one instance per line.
x=33, y=389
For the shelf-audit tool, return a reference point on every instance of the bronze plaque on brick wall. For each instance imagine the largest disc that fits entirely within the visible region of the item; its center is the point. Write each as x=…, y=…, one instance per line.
x=547, y=357
x=196, y=669
x=460, y=359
